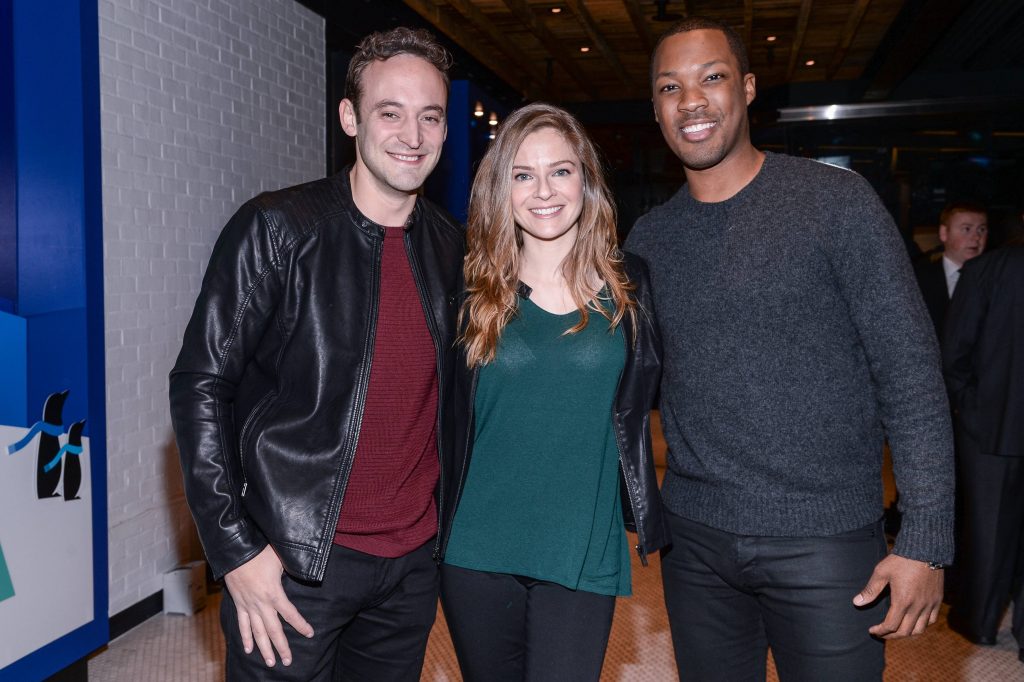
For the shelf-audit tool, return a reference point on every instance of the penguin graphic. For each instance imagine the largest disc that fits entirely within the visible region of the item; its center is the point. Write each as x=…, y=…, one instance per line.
x=73, y=462
x=49, y=446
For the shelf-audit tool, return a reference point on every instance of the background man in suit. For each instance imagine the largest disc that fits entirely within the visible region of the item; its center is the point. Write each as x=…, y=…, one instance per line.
x=963, y=231
x=983, y=353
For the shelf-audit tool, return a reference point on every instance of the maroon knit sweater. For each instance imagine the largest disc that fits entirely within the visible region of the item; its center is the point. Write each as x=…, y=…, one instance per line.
x=389, y=508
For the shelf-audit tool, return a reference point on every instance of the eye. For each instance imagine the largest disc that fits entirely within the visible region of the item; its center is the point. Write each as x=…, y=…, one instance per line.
x=521, y=177
x=715, y=77
x=432, y=118
x=562, y=172
x=671, y=87
x=389, y=115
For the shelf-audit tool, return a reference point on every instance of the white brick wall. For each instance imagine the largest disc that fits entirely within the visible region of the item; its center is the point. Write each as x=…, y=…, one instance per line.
x=205, y=103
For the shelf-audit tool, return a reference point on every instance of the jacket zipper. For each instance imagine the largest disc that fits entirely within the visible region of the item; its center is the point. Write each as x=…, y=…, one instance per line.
x=428, y=313
x=361, y=388
x=256, y=413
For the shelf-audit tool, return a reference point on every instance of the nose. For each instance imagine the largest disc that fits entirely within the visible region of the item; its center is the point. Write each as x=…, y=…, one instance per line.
x=410, y=134
x=692, y=99
x=544, y=188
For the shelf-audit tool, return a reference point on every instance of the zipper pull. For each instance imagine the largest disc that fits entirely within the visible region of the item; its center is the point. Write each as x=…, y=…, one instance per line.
x=642, y=554
x=245, y=486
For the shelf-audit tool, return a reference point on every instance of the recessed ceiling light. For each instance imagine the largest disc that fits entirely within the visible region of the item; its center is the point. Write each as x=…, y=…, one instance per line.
x=809, y=62
x=584, y=49
x=772, y=39
x=556, y=10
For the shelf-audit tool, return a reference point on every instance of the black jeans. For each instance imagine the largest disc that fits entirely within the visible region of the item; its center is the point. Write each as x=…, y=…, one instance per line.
x=729, y=597
x=508, y=628
x=371, y=617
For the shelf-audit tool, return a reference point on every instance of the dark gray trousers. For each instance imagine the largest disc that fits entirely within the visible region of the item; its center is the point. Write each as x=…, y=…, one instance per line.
x=731, y=597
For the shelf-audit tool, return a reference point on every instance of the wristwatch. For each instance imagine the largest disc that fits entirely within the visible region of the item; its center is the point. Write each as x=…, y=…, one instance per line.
x=936, y=566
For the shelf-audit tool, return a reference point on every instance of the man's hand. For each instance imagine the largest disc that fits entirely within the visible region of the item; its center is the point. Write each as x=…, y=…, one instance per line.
x=915, y=591
x=256, y=589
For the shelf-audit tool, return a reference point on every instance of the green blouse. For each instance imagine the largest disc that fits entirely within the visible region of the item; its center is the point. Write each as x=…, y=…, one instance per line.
x=541, y=497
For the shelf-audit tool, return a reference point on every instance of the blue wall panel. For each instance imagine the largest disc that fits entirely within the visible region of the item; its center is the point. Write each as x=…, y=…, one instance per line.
x=48, y=122
x=8, y=213
x=456, y=149
x=51, y=277
x=57, y=361
x=13, y=370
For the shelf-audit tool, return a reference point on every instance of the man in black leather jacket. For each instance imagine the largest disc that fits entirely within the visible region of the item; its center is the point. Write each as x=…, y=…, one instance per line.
x=307, y=396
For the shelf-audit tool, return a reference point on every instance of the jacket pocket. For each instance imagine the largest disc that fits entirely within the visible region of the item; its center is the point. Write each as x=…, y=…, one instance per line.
x=249, y=428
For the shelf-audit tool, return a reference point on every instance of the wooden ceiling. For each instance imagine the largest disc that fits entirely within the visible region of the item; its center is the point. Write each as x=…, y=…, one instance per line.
x=540, y=52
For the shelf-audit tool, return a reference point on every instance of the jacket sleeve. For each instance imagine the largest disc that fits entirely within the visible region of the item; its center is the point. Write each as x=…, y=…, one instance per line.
x=235, y=308
x=646, y=379
x=873, y=271
x=647, y=316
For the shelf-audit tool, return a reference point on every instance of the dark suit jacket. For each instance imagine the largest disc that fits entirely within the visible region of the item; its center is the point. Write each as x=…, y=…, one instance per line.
x=983, y=351
x=931, y=278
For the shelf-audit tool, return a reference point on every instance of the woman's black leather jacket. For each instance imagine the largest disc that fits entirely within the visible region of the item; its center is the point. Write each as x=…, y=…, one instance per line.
x=637, y=390
x=268, y=392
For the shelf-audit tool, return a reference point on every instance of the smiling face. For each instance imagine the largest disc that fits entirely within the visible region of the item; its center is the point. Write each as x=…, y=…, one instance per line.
x=401, y=125
x=547, y=188
x=701, y=97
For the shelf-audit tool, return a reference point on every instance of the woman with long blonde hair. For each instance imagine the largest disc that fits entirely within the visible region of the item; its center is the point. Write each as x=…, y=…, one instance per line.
x=560, y=364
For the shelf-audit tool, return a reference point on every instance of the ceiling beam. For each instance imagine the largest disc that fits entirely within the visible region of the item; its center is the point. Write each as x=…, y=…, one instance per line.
x=458, y=31
x=480, y=21
x=643, y=31
x=602, y=44
x=846, y=39
x=909, y=40
x=798, y=40
x=522, y=11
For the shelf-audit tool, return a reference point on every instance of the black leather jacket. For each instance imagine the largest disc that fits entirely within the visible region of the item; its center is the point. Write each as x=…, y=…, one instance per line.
x=637, y=390
x=268, y=392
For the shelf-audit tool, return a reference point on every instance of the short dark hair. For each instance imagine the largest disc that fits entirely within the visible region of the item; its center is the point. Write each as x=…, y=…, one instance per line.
x=955, y=207
x=384, y=45
x=736, y=45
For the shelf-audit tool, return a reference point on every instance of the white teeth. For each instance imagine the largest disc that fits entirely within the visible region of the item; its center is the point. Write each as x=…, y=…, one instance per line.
x=545, y=211
x=698, y=127
x=401, y=157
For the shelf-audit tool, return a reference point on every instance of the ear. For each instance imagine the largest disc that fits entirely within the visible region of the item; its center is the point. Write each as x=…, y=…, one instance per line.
x=347, y=116
x=750, y=87
x=943, y=233
x=655, y=107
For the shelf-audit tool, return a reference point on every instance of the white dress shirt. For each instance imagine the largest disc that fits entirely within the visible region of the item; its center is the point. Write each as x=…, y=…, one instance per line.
x=952, y=271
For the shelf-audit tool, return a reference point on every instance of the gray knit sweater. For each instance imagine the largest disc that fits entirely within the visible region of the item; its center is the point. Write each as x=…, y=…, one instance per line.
x=796, y=341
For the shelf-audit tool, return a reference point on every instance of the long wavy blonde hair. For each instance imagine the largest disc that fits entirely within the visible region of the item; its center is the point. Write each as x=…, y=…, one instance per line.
x=494, y=240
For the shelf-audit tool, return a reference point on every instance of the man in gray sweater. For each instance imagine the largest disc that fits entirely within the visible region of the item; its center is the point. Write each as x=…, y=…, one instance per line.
x=796, y=342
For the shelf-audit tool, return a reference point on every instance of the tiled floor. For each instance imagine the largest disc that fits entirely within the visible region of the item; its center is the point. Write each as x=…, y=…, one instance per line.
x=179, y=649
